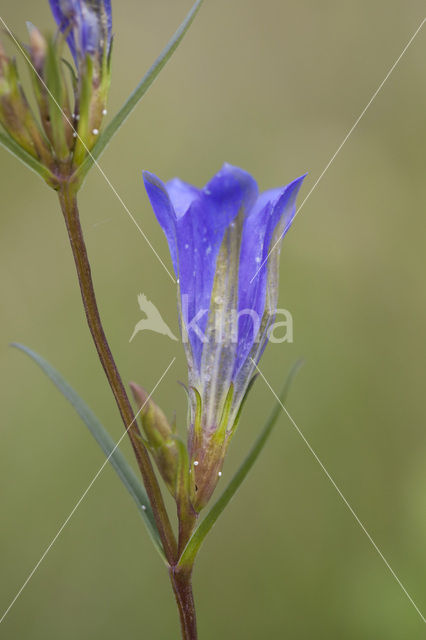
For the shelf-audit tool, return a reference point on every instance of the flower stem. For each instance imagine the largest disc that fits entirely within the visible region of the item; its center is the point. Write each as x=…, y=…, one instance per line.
x=68, y=200
x=181, y=579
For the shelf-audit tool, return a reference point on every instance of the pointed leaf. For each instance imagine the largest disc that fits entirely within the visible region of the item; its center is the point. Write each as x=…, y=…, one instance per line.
x=107, y=444
x=32, y=163
x=182, y=475
x=188, y=555
x=57, y=100
x=138, y=93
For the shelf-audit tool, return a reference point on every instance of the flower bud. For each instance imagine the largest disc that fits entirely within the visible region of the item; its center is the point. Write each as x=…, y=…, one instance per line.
x=160, y=436
x=71, y=114
x=38, y=47
x=87, y=27
x=15, y=113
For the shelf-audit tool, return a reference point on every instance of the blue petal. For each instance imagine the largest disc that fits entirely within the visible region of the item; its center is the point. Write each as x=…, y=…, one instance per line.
x=164, y=211
x=230, y=190
x=194, y=223
x=87, y=23
x=181, y=195
x=96, y=28
x=200, y=234
x=58, y=14
x=275, y=207
x=108, y=11
x=89, y=31
x=65, y=11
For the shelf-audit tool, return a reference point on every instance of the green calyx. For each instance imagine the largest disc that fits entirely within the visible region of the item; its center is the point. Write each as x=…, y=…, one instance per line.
x=160, y=437
x=208, y=447
x=15, y=113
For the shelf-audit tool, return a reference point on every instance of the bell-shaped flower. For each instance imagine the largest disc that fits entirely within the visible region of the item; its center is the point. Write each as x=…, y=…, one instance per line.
x=220, y=238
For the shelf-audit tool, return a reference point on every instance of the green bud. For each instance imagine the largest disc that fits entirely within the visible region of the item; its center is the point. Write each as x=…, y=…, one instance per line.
x=93, y=86
x=38, y=47
x=71, y=113
x=207, y=458
x=15, y=113
x=160, y=437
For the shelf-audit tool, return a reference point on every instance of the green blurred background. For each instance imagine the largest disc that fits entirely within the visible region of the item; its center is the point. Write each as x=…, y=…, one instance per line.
x=273, y=87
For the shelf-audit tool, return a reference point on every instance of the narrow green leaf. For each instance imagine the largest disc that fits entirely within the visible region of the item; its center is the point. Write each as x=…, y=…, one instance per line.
x=32, y=163
x=243, y=402
x=73, y=76
x=197, y=538
x=107, y=444
x=139, y=92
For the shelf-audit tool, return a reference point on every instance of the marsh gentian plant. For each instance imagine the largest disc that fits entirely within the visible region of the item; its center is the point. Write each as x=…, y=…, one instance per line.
x=219, y=238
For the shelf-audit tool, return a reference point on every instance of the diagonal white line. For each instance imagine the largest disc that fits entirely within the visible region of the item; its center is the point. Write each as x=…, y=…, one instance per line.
x=95, y=162
x=78, y=503
x=345, y=139
x=341, y=495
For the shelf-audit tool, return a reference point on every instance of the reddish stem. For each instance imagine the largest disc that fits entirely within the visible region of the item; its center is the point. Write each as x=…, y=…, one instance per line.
x=181, y=579
x=68, y=201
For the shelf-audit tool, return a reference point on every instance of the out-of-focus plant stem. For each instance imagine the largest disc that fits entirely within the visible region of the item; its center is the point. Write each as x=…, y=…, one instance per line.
x=68, y=200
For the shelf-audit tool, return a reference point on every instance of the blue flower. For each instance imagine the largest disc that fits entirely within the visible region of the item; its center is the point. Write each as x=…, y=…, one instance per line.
x=87, y=25
x=219, y=239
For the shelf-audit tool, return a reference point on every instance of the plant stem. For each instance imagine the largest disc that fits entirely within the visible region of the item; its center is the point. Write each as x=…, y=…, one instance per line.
x=180, y=576
x=181, y=579
x=68, y=201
